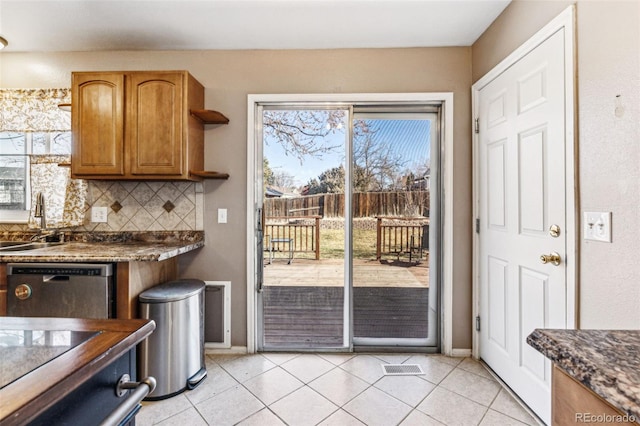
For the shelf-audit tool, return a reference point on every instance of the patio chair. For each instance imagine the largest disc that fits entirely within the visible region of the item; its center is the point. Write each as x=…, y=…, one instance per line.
x=274, y=243
x=418, y=247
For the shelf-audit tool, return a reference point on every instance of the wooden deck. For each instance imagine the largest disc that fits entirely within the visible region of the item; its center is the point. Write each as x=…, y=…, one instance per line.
x=330, y=273
x=303, y=302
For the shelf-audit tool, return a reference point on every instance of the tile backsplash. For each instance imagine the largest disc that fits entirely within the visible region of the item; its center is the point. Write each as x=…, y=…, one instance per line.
x=141, y=206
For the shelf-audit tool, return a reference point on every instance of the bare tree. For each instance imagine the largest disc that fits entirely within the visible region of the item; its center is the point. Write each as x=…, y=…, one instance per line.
x=302, y=132
x=377, y=166
x=282, y=179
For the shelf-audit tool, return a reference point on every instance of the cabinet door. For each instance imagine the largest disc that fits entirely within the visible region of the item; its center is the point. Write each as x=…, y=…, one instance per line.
x=155, y=123
x=97, y=123
x=572, y=403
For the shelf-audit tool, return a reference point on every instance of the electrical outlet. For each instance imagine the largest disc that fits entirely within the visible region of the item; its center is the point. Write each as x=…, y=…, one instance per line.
x=597, y=226
x=222, y=215
x=99, y=214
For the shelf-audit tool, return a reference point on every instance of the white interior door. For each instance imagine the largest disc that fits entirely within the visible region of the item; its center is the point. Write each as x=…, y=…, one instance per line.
x=523, y=216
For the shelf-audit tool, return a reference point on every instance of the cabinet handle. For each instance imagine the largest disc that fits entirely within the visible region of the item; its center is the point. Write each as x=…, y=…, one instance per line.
x=142, y=389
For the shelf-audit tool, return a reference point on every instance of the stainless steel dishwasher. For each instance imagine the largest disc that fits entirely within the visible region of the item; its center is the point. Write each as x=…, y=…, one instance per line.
x=67, y=290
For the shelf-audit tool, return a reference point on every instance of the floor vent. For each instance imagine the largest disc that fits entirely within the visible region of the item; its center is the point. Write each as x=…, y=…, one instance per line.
x=401, y=369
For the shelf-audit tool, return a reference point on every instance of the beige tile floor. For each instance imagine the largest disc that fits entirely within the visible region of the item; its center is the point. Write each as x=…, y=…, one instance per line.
x=341, y=390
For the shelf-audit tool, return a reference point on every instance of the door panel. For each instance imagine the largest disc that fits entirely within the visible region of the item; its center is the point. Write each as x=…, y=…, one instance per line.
x=395, y=291
x=534, y=292
x=522, y=193
x=496, y=192
x=497, y=313
x=532, y=176
x=532, y=89
x=155, y=134
x=97, y=124
x=302, y=237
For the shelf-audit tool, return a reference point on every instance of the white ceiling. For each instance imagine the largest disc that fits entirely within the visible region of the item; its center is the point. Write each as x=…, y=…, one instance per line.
x=82, y=25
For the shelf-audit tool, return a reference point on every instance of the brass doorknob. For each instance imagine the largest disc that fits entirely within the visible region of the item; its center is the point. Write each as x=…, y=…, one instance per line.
x=551, y=258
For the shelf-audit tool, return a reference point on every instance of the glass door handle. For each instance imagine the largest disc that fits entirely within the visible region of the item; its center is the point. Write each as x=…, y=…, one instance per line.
x=259, y=252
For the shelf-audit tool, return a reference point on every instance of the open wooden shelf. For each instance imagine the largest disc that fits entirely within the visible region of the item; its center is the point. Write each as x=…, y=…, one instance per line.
x=210, y=174
x=208, y=116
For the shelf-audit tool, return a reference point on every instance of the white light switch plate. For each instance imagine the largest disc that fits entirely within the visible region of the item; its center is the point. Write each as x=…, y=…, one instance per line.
x=596, y=226
x=99, y=214
x=222, y=215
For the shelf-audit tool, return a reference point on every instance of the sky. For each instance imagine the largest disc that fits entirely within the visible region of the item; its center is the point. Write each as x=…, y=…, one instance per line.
x=410, y=138
x=311, y=167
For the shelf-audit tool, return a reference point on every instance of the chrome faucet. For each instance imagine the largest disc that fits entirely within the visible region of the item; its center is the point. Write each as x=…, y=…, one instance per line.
x=43, y=234
x=40, y=211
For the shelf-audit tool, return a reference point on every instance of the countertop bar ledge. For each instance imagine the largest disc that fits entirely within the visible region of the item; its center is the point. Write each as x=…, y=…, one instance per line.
x=103, y=252
x=30, y=395
x=605, y=361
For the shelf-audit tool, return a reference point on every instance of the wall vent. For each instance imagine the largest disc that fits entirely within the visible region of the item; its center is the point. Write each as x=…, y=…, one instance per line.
x=217, y=315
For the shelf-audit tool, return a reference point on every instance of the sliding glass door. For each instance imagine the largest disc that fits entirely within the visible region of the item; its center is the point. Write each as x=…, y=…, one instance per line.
x=348, y=230
x=394, y=191
x=304, y=177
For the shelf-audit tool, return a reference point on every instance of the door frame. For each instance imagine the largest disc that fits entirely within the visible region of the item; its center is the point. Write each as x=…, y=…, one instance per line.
x=564, y=21
x=446, y=100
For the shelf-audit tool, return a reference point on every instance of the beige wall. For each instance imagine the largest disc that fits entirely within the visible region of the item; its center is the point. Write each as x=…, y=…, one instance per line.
x=228, y=77
x=608, y=66
x=515, y=25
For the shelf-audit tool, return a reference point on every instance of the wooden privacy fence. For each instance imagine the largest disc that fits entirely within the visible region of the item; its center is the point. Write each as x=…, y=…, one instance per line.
x=294, y=206
x=365, y=204
x=300, y=234
x=395, y=235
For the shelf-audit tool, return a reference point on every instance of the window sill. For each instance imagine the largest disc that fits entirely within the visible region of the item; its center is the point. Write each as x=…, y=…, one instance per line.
x=14, y=216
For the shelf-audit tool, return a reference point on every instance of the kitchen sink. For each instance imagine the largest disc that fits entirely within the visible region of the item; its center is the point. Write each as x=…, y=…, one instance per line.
x=20, y=245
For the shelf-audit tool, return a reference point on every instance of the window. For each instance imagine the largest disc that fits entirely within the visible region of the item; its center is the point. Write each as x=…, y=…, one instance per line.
x=15, y=148
x=30, y=123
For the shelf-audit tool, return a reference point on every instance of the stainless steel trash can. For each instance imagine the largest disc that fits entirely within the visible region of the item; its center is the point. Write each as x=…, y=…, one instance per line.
x=174, y=353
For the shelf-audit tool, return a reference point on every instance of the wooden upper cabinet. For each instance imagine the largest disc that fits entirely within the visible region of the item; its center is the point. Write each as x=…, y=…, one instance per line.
x=97, y=123
x=136, y=125
x=155, y=130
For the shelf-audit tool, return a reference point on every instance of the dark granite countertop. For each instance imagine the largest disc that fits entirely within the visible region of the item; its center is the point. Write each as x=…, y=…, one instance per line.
x=605, y=361
x=101, y=252
x=118, y=248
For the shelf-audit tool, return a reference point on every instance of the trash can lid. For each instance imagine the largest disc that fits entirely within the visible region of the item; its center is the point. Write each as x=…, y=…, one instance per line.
x=172, y=291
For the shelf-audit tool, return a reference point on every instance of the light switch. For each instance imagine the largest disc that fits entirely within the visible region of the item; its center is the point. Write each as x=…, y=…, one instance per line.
x=222, y=215
x=99, y=214
x=596, y=226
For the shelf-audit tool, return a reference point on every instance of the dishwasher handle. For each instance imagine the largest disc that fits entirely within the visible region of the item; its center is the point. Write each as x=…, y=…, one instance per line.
x=141, y=390
x=47, y=278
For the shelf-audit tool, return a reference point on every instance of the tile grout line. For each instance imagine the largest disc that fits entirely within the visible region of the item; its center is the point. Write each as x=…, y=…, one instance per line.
x=512, y=394
x=198, y=411
x=283, y=396
x=340, y=407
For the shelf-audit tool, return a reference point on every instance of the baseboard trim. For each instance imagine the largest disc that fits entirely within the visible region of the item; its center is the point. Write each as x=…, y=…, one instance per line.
x=461, y=353
x=225, y=351
x=208, y=350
